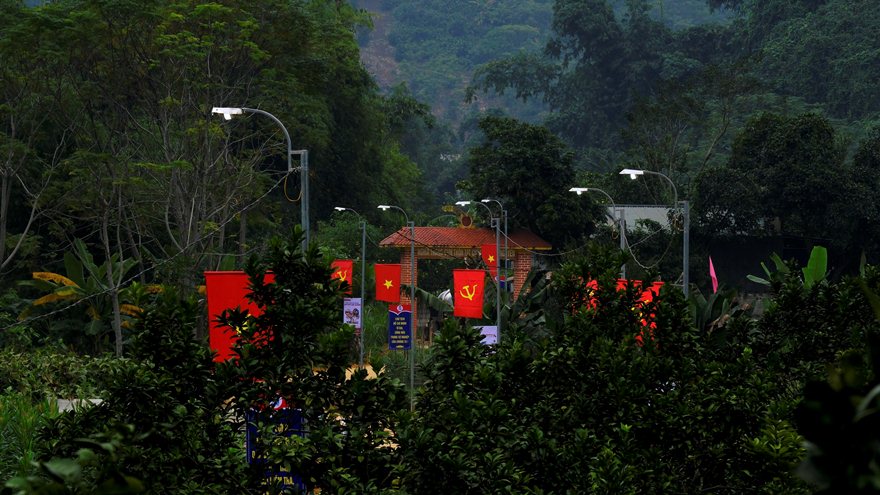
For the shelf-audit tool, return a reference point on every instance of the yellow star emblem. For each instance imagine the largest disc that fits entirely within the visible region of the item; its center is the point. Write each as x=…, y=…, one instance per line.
x=491, y=259
x=389, y=284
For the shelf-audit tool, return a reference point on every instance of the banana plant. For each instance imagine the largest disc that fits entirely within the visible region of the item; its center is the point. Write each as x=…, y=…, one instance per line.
x=84, y=285
x=773, y=277
x=712, y=313
x=817, y=267
x=815, y=272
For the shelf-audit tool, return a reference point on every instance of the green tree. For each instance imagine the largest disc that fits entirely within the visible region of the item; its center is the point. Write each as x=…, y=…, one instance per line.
x=298, y=351
x=866, y=168
x=30, y=96
x=794, y=180
x=595, y=401
x=594, y=65
x=120, y=97
x=530, y=170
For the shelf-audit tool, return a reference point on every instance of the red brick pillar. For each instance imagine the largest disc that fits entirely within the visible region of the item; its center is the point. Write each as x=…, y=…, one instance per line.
x=405, y=279
x=522, y=264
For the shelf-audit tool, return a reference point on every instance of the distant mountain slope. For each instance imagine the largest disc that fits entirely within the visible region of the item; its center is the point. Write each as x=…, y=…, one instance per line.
x=434, y=45
x=438, y=43
x=376, y=51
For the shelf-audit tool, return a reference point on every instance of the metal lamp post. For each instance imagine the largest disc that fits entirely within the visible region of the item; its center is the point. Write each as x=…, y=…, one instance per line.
x=363, y=276
x=228, y=112
x=496, y=222
x=620, y=220
x=634, y=174
x=504, y=216
x=412, y=299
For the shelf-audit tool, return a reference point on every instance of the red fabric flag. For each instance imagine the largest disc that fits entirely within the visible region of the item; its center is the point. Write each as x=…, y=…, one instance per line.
x=227, y=290
x=388, y=282
x=344, y=271
x=713, y=276
x=468, y=289
x=490, y=258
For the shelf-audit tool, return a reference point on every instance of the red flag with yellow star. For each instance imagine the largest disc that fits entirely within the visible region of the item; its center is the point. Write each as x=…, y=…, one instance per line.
x=343, y=270
x=388, y=282
x=468, y=289
x=490, y=258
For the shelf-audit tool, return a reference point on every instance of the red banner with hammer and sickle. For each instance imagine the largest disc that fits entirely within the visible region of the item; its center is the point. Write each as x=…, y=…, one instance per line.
x=468, y=290
x=344, y=270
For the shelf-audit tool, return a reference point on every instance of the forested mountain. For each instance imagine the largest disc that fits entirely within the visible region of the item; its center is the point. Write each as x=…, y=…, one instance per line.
x=434, y=46
x=678, y=87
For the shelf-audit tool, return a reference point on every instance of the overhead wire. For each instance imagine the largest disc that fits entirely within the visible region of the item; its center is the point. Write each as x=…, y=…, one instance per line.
x=660, y=258
x=287, y=196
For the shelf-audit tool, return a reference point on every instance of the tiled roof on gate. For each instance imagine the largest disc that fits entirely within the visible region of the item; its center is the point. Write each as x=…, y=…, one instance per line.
x=457, y=237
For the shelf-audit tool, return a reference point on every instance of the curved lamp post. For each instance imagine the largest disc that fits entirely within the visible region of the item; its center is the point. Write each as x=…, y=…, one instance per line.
x=496, y=222
x=412, y=300
x=620, y=220
x=504, y=216
x=363, y=276
x=634, y=174
x=229, y=112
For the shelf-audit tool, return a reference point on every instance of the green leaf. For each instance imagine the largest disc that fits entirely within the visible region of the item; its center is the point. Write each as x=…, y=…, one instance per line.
x=62, y=469
x=82, y=252
x=74, y=269
x=817, y=266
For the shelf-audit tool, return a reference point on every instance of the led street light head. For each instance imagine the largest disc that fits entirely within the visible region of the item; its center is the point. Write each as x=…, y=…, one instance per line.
x=227, y=112
x=633, y=173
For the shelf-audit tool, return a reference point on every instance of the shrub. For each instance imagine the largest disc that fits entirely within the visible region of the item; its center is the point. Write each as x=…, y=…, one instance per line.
x=166, y=412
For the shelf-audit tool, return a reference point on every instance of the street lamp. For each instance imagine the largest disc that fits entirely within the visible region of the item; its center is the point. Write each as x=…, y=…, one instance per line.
x=412, y=300
x=634, y=174
x=686, y=213
x=621, y=223
x=229, y=112
x=363, y=277
x=496, y=223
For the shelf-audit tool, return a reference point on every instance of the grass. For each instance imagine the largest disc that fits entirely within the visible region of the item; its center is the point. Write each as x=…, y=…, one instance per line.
x=20, y=418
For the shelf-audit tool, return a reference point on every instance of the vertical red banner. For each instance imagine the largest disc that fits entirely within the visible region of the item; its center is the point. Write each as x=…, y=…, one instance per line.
x=344, y=271
x=468, y=288
x=227, y=290
x=490, y=258
x=388, y=282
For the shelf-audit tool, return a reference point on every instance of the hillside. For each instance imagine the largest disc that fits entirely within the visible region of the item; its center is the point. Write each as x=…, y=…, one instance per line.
x=435, y=45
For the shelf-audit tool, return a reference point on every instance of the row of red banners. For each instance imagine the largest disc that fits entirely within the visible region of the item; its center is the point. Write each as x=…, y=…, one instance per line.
x=230, y=289
x=468, y=285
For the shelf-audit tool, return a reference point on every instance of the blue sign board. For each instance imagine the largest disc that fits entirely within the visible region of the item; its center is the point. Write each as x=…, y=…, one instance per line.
x=284, y=422
x=399, y=327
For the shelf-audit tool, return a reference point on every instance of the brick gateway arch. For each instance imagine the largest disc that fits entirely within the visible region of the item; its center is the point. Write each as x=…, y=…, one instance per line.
x=462, y=242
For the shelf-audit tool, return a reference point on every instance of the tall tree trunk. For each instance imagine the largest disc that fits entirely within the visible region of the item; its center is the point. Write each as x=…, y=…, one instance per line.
x=5, y=191
x=112, y=286
x=242, y=235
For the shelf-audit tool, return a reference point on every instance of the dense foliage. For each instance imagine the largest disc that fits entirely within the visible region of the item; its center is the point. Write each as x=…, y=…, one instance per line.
x=593, y=390
x=116, y=176
x=108, y=134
